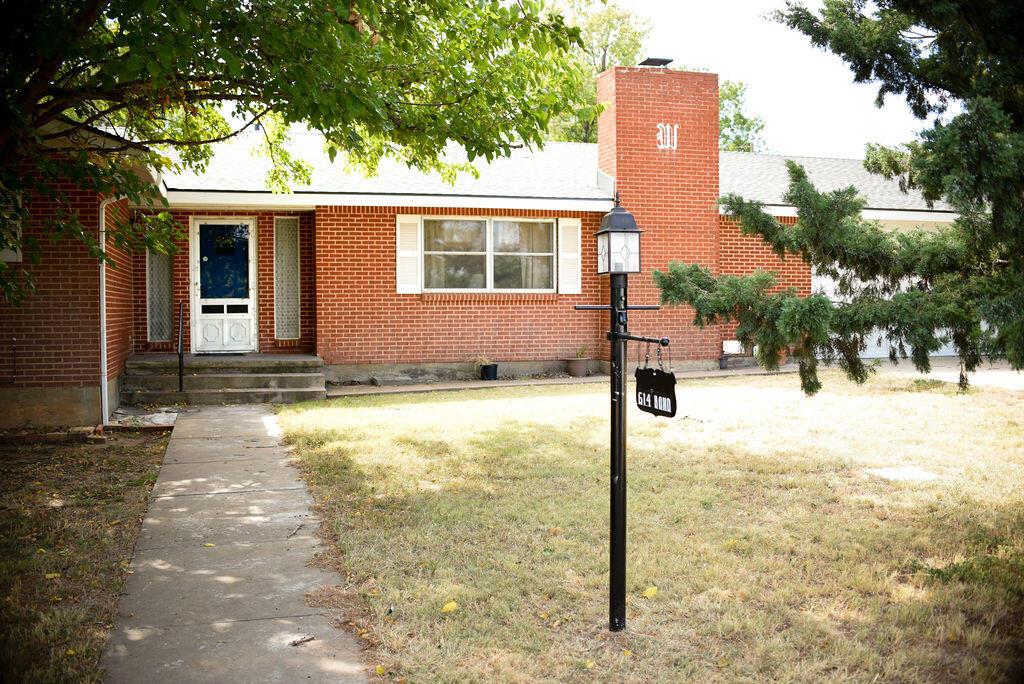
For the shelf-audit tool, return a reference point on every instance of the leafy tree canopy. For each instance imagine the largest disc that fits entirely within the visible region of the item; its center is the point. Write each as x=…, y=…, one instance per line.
x=738, y=131
x=609, y=36
x=918, y=289
x=93, y=87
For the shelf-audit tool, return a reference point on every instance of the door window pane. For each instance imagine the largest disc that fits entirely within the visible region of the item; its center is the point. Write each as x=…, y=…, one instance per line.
x=158, y=296
x=453, y=235
x=523, y=272
x=224, y=261
x=445, y=271
x=286, y=278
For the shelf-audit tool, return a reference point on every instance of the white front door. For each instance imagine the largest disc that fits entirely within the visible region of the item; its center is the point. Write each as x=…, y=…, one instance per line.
x=223, y=285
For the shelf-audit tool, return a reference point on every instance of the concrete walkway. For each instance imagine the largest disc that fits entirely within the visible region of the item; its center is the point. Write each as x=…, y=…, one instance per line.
x=220, y=568
x=997, y=374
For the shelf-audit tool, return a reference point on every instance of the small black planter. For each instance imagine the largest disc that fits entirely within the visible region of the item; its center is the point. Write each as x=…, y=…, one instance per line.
x=488, y=371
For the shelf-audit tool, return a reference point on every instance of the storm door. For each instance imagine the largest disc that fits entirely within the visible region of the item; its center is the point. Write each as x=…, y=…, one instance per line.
x=224, y=285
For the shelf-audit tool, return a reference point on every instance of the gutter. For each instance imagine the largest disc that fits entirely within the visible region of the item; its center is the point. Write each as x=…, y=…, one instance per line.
x=307, y=201
x=104, y=401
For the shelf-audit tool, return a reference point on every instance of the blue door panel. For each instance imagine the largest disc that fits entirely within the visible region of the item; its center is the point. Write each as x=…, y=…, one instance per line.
x=223, y=261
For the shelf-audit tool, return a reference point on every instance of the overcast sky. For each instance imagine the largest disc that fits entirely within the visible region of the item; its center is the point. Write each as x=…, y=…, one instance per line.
x=806, y=96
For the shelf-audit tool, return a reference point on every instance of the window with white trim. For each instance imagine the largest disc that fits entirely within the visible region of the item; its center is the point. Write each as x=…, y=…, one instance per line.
x=489, y=254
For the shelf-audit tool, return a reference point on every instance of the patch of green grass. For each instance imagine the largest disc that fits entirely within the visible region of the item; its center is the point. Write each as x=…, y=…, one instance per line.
x=69, y=517
x=774, y=554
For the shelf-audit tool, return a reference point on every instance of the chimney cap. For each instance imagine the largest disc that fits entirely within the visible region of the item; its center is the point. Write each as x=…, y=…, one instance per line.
x=656, y=62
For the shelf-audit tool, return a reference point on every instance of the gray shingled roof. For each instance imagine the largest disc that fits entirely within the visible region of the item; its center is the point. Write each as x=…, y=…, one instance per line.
x=763, y=177
x=560, y=170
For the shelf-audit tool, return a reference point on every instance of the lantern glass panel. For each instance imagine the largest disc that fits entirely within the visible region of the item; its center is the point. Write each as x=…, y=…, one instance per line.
x=624, y=252
x=602, y=253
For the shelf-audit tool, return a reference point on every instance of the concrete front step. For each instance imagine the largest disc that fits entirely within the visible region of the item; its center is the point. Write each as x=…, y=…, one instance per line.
x=212, y=397
x=167, y=364
x=204, y=381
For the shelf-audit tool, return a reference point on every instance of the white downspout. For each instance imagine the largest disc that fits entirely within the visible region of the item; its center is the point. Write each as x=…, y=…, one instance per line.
x=104, y=401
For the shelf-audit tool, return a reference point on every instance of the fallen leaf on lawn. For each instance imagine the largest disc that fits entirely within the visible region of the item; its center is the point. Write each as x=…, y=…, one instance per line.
x=555, y=531
x=450, y=607
x=381, y=671
x=590, y=664
x=650, y=592
x=52, y=575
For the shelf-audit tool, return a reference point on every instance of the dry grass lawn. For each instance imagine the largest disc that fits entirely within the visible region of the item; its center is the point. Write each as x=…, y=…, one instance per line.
x=775, y=555
x=69, y=516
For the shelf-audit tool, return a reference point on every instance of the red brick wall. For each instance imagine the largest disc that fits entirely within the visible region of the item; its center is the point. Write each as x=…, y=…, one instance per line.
x=120, y=278
x=57, y=326
x=672, y=192
x=363, y=321
x=744, y=254
x=264, y=282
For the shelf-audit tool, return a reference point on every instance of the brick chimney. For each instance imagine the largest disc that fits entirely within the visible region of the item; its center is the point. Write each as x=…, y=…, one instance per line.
x=658, y=138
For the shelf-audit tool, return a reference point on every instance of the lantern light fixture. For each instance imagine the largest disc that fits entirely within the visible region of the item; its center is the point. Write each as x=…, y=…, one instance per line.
x=618, y=242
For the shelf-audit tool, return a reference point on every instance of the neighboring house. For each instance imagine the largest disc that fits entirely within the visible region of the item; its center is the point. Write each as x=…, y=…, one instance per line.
x=402, y=276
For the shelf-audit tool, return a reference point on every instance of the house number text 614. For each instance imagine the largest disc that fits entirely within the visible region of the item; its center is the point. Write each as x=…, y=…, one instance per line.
x=668, y=136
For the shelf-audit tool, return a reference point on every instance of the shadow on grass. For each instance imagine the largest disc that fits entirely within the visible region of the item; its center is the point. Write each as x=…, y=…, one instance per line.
x=772, y=564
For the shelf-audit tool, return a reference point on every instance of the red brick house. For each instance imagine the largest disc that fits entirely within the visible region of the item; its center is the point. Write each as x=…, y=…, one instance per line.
x=401, y=275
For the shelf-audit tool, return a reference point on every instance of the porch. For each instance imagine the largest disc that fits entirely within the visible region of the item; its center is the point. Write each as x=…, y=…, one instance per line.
x=209, y=379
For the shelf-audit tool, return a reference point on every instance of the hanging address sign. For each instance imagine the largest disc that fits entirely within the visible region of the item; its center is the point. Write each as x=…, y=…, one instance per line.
x=656, y=389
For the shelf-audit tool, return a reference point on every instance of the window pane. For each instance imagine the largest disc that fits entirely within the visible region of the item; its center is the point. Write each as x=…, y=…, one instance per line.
x=158, y=296
x=443, y=271
x=286, y=279
x=524, y=236
x=454, y=236
x=523, y=272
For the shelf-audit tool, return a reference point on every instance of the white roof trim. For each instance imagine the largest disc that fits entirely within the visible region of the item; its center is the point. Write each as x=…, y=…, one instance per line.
x=181, y=199
x=873, y=214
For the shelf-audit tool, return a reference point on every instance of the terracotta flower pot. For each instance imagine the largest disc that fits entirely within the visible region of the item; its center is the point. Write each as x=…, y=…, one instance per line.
x=577, y=368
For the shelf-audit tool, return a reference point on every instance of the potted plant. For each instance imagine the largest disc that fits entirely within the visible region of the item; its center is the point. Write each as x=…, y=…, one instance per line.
x=488, y=368
x=578, y=367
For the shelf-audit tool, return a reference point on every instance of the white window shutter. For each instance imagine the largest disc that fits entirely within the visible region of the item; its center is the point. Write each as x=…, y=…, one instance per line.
x=569, y=259
x=408, y=254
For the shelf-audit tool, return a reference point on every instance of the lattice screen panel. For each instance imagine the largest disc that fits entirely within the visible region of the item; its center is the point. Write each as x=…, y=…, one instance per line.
x=159, y=297
x=286, y=278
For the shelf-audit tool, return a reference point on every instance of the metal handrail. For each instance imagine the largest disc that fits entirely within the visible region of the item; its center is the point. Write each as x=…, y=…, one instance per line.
x=181, y=347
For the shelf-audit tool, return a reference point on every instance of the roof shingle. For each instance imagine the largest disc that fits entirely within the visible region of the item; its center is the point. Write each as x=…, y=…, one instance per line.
x=559, y=171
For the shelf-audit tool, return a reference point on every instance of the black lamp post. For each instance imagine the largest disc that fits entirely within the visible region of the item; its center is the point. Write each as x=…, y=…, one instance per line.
x=618, y=255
